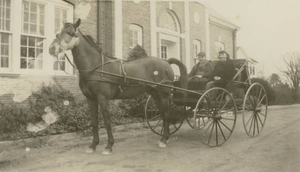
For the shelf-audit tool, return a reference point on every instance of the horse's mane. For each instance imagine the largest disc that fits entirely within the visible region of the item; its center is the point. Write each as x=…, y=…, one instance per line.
x=95, y=44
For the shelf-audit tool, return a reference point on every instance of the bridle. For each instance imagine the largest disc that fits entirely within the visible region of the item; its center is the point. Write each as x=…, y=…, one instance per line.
x=113, y=59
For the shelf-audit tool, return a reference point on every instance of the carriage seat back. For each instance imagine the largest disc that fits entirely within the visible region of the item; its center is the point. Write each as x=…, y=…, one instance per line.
x=238, y=63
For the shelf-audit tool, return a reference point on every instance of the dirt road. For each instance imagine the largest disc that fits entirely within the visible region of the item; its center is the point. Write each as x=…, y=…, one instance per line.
x=276, y=149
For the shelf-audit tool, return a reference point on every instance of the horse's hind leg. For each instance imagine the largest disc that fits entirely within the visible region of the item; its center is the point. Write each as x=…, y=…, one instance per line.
x=104, y=104
x=162, y=102
x=93, y=106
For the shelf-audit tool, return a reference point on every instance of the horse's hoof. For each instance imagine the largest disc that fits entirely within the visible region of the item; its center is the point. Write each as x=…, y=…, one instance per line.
x=90, y=150
x=106, y=152
x=162, y=145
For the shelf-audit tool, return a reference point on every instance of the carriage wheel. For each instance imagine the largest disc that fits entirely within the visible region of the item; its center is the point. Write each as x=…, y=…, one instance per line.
x=215, y=116
x=190, y=117
x=154, y=118
x=255, y=109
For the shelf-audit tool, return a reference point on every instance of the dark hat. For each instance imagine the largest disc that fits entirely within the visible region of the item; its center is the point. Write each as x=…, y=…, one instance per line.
x=201, y=54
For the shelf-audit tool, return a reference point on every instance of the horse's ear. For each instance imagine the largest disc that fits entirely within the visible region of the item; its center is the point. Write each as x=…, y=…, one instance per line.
x=76, y=25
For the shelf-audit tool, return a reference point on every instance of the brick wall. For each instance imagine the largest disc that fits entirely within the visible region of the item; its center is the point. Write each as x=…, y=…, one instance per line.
x=136, y=14
x=197, y=30
x=217, y=31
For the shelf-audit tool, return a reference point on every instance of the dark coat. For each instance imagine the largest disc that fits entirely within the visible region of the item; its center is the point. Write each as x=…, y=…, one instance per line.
x=225, y=70
x=203, y=69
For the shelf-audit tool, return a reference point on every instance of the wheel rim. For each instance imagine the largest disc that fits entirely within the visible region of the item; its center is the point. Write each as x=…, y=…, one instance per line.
x=255, y=108
x=154, y=118
x=215, y=117
x=190, y=117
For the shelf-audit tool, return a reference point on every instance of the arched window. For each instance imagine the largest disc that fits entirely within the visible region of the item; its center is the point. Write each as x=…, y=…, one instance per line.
x=197, y=49
x=219, y=46
x=135, y=35
x=168, y=21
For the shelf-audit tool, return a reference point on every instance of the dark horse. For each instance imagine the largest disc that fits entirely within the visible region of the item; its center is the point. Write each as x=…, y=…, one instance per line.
x=100, y=88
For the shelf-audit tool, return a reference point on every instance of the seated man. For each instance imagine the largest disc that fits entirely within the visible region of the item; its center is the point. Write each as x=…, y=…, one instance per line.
x=200, y=72
x=223, y=72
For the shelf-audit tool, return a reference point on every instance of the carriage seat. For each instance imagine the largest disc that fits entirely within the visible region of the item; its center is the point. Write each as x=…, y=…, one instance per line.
x=241, y=77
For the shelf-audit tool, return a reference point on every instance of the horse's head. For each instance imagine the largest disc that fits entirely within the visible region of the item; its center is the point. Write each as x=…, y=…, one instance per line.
x=66, y=39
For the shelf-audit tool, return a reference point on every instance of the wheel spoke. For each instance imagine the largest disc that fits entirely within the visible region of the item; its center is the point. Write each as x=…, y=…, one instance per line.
x=262, y=114
x=260, y=120
x=156, y=124
x=225, y=105
x=225, y=126
x=221, y=100
x=221, y=131
x=217, y=134
x=249, y=120
x=175, y=126
x=257, y=124
x=154, y=117
x=251, y=123
x=261, y=100
x=212, y=129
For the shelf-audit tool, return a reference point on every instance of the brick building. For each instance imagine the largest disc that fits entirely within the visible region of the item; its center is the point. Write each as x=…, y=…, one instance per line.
x=165, y=29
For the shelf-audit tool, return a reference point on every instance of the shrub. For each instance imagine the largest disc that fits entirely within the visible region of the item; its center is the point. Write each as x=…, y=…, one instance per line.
x=72, y=115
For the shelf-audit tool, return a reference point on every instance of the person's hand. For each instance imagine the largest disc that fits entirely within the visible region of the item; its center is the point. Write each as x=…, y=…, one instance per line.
x=217, y=78
x=199, y=76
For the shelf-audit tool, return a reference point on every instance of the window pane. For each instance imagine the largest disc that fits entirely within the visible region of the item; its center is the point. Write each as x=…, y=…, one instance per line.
x=4, y=62
x=39, y=53
x=42, y=9
x=64, y=14
x=23, y=52
x=33, y=29
x=25, y=28
x=39, y=42
x=33, y=7
x=23, y=40
x=8, y=3
x=42, y=20
x=4, y=38
x=23, y=64
x=31, y=52
x=26, y=17
x=25, y=6
x=42, y=30
x=33, y=18
x=31, y=64
x=7, y=25
x=7, y=13
x=31, y=41
x=55, y=65
x=57, y=12
x=4, y=50
x=57, y=22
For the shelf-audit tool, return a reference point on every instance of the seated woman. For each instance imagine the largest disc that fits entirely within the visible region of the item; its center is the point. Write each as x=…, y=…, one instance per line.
x=200, y=72
x=223, y=72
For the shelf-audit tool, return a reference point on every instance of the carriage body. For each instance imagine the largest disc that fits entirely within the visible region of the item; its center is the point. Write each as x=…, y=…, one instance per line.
x=212, y=113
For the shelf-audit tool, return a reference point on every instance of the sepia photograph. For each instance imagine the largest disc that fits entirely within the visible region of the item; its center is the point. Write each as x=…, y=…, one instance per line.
x=149, y=86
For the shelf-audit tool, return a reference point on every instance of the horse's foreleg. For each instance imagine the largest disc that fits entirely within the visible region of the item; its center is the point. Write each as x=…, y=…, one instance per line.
x=166, y=121
x=104, y=104
x=93, y=106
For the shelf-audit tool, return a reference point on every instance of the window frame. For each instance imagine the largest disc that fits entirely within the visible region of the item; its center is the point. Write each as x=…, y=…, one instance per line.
x=139, y=30
x=49, y=35
x=10, y=34
x=196, y=44
x=165, y=53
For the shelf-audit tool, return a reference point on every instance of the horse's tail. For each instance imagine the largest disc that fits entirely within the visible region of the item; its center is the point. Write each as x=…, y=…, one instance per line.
x=183, y=71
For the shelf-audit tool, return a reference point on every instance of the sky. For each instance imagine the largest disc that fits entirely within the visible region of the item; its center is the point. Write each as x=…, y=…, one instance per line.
x=269, y=29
